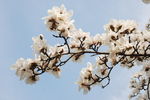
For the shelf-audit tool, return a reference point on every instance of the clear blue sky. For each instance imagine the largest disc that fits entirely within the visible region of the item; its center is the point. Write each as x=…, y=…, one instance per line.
x=20, y=20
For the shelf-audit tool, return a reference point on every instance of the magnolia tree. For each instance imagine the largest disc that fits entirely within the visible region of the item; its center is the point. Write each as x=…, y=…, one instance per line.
x=126, y=45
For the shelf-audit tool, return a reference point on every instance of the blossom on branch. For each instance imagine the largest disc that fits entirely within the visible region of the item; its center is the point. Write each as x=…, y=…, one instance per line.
x=127, y=46
x=59, y=19
x=24, y=70
x=39, y=44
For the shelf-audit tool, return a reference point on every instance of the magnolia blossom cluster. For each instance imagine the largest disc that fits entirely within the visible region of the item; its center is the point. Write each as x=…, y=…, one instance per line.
x=125, y=45
x=87, y=77
x=44, y=61
x=59, y=20
x=24, y=70
x=140, y=83
x=125, y=40
x=95, y=74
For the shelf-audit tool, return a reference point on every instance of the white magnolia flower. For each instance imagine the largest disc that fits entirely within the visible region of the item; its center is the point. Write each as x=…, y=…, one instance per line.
x=95, y=40
x=39, y=44
x=22, y=68
x=85, y=80
x=59, y=19
x=55, y=50
x=86, y=71
x=80, y=34
x=78, y=39
x=60, y=12
x=120, y=26
x=112, y=36
x=66, y=28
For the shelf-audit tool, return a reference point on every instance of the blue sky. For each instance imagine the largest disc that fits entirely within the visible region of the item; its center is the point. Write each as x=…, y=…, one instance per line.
x=20, y=20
